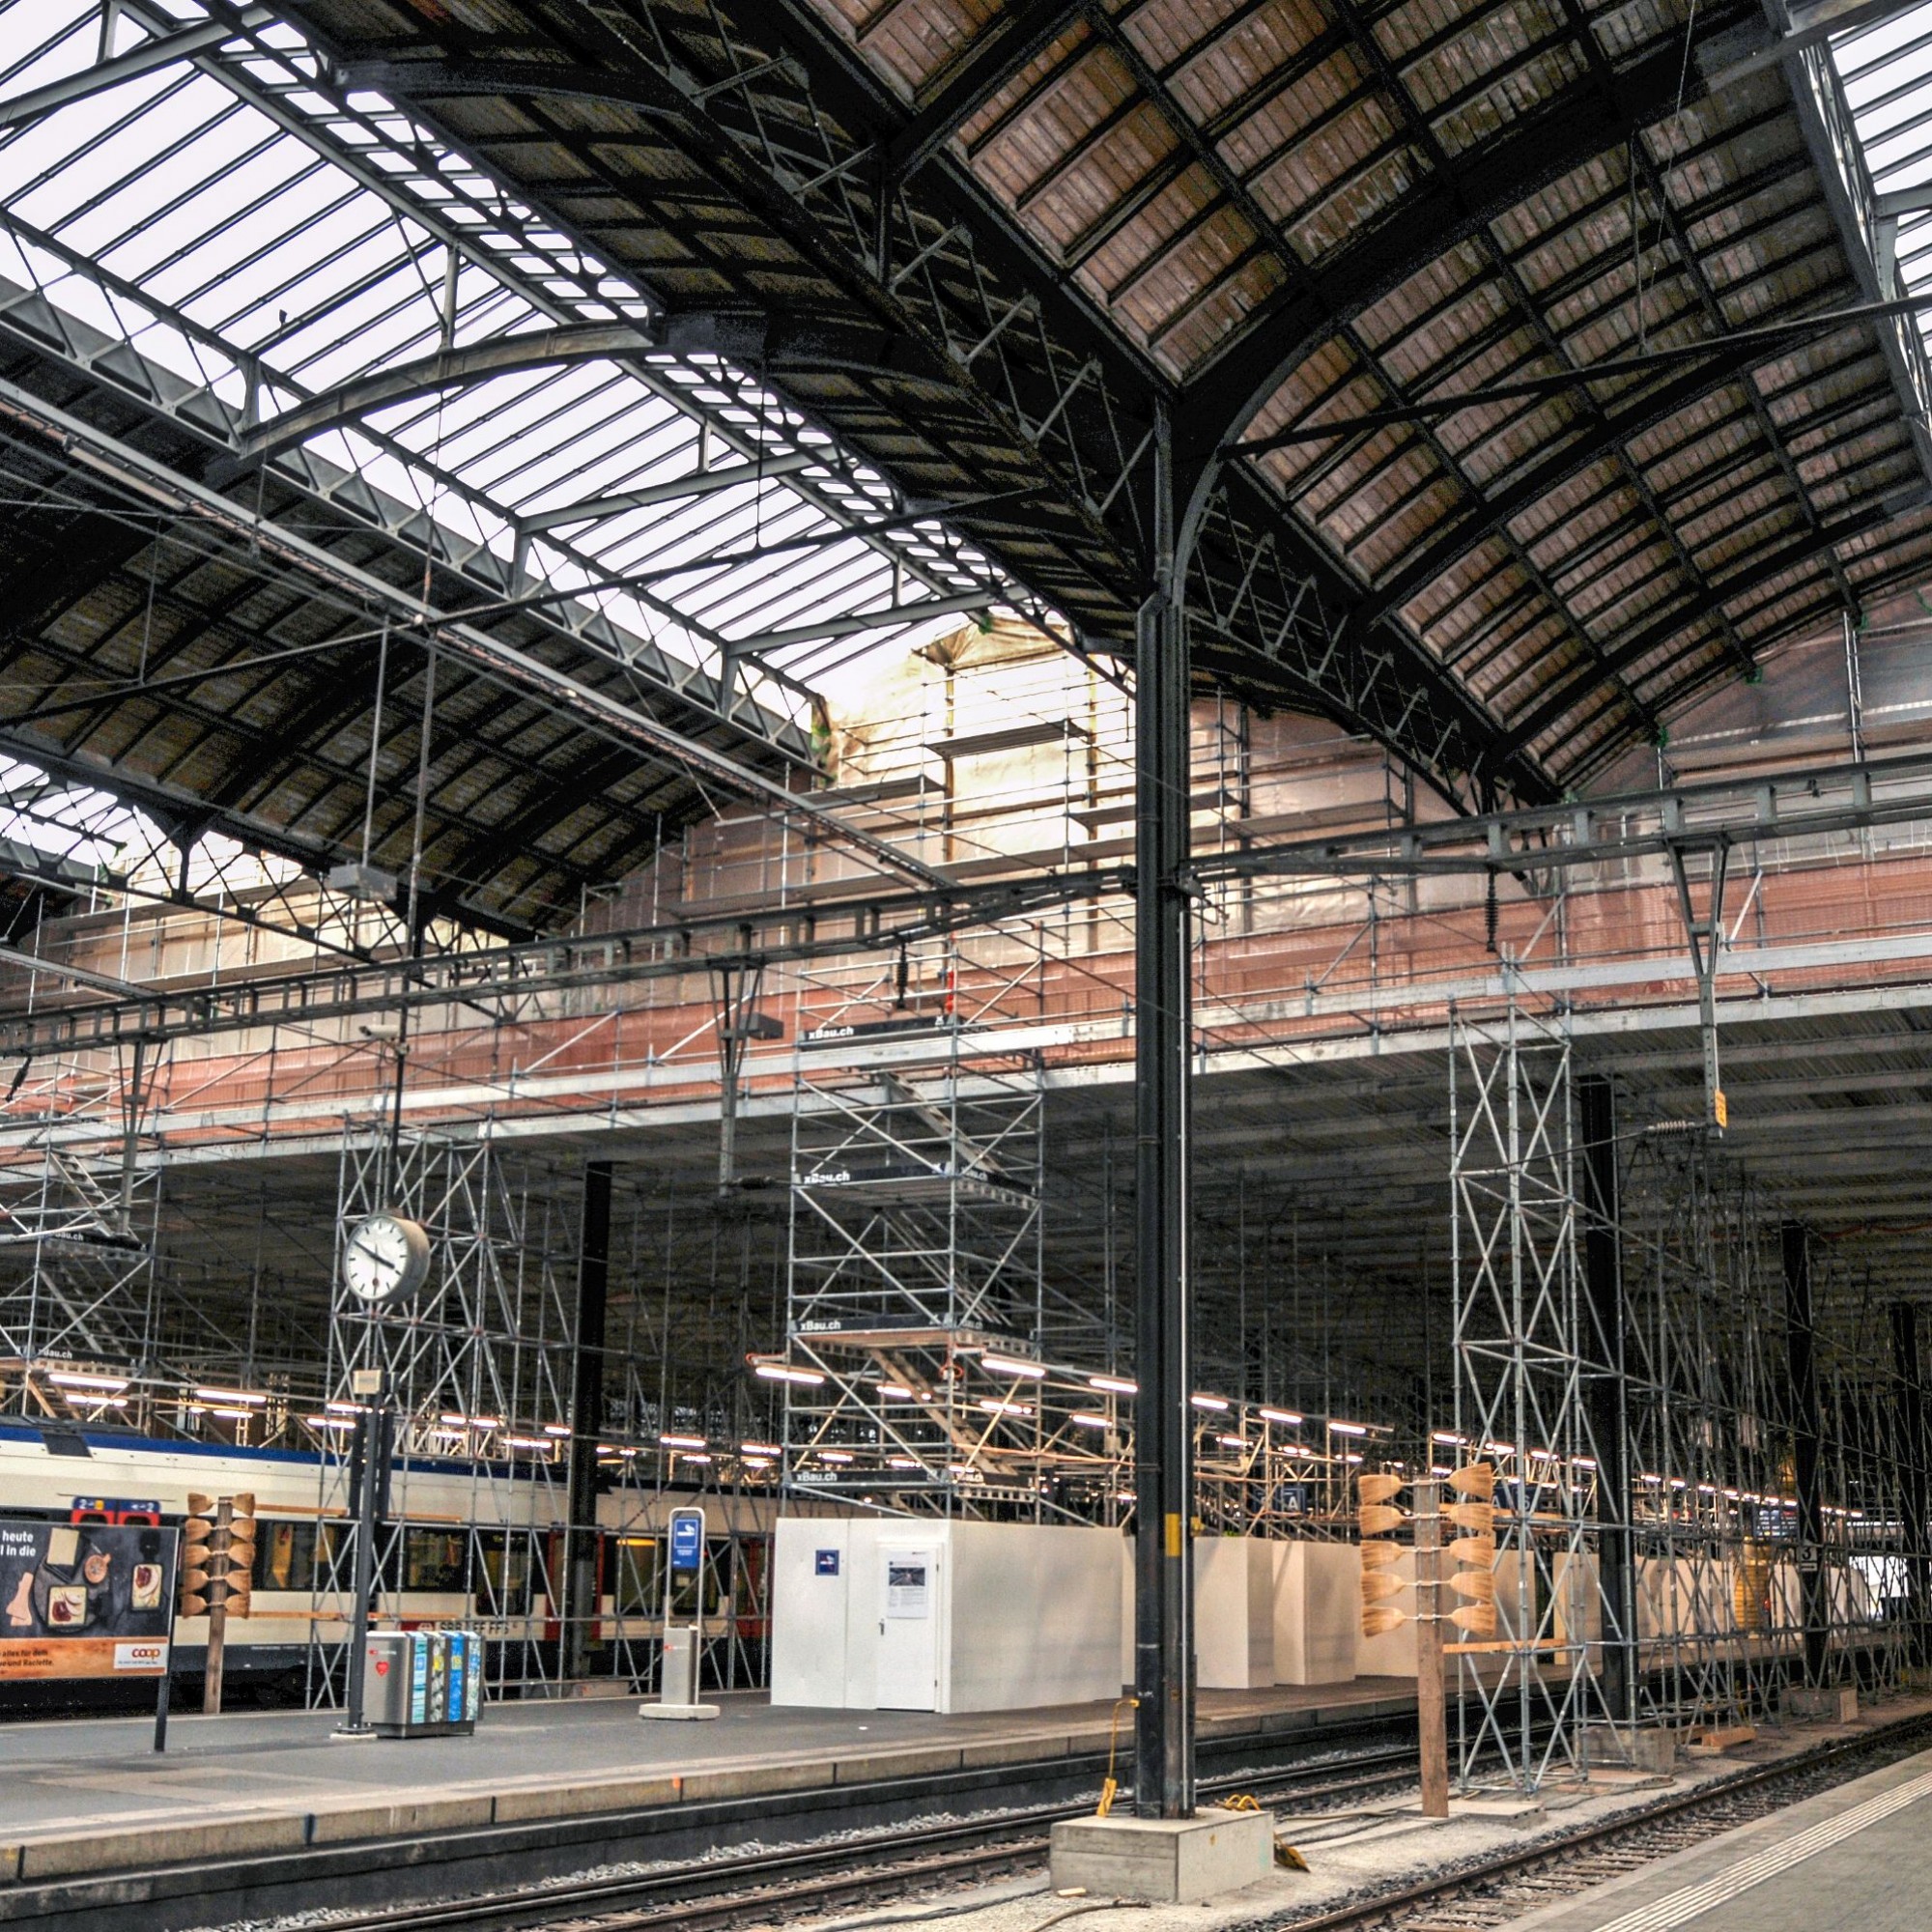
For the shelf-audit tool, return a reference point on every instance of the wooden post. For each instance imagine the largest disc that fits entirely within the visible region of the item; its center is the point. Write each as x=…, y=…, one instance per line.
x=1432, y=1720
x=217, y=1610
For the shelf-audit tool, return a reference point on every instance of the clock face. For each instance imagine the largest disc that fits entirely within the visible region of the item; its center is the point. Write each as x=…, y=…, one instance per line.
x=385, y=1255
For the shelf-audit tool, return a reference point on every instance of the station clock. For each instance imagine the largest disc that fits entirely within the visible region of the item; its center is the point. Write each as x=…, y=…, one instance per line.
x=386, y=1258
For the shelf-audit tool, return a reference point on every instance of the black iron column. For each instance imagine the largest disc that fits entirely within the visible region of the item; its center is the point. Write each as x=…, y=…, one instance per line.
x=1163, y=1414
x=1608, y=1392
x=586, y=1421
x=1913, y=1498
x=1804, y=1376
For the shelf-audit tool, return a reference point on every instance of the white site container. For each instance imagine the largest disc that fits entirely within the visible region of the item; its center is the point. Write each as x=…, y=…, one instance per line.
x=1393, y=1653
x=1318, y=1611
x=943, y=1616
x=1233, y=1612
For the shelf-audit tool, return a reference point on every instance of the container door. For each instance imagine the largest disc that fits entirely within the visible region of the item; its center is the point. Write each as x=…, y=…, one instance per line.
x=909, y=1628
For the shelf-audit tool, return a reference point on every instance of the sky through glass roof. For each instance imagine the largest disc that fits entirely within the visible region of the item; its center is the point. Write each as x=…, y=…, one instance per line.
x=259, y=236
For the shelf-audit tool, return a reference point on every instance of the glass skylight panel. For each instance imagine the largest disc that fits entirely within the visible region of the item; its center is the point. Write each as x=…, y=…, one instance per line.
x=307, y=242
x=1885, y=71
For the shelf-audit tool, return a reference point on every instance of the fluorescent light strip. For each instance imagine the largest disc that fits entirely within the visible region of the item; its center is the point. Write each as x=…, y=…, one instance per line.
x=1011, y=1365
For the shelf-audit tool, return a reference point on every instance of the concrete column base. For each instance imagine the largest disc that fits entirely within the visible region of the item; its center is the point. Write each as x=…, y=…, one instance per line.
x=672, y=1714
x=1649, y=1747
x=1164, y=1860
x=1835, y=1703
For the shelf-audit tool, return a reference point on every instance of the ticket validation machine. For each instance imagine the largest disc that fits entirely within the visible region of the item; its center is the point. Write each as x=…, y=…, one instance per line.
x=683, y=1642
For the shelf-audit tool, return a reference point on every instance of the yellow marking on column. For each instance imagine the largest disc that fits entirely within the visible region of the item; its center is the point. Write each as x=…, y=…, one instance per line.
x=1174, y=1536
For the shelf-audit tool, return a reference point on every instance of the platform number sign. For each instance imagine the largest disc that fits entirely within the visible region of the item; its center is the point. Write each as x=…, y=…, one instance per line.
x=686, y=1541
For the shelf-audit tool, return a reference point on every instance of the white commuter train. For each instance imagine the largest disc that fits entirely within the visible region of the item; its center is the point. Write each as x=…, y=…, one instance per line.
x=453, y=1562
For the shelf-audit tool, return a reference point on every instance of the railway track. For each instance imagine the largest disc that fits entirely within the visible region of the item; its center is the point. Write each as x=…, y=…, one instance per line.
x=868, y=1868
x=857, y=1868
x=1493, y=1891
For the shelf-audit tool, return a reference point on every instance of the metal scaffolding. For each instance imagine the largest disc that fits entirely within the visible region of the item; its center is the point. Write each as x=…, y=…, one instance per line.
x=478, y=1373
x=1710, y=1442
x=915, y=1258
x=1521, y=1354
x=79, y=1301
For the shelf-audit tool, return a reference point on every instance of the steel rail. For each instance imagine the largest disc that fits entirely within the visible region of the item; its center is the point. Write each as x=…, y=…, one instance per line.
x=1484, y=1871
x=823, y=1874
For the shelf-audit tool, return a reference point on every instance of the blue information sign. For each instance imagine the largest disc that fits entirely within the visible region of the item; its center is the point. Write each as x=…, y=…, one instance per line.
x=825, y=1562
x=686, y=1541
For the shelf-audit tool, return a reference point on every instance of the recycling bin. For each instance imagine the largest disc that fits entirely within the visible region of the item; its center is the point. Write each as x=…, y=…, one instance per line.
x=420, y=1684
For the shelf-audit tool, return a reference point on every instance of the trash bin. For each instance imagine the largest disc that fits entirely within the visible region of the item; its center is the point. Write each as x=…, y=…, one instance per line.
x=422, y=1683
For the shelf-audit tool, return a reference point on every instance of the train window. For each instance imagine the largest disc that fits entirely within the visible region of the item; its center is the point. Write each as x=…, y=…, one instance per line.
x=288, y=1555
x=503, y=1589
x=435, y=1559
x=641, y=1580
x=275, y=1557
x=640, y=1591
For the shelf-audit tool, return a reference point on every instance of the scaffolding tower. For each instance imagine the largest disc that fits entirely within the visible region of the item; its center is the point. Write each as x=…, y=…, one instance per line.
x=1523, y=1363
x=80, y=1321
x=1711, y=1447
x=478, y=1372
x=916, y=1307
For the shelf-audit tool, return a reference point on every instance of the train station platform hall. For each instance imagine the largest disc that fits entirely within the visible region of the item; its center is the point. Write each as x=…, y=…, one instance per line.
x=89, y=1795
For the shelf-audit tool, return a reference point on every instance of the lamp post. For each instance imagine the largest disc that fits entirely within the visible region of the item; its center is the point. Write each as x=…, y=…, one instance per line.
x=370, y=1386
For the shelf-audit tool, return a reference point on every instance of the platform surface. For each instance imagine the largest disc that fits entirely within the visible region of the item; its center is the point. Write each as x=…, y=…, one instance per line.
x=73, y=1782
x=1858, y=1857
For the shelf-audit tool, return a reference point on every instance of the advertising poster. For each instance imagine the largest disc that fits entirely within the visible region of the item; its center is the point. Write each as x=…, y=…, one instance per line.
x=84, y=1599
